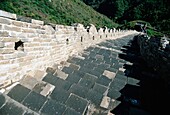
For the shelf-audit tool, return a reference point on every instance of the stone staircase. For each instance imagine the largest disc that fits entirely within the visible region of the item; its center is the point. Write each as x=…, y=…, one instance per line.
x=86, y=84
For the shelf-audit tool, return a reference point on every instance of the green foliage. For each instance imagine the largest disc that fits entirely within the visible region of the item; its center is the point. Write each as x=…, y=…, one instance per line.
x=58, y=11
x=157, y=12
x=151, y=31
x=120, y=6
x=131, y=24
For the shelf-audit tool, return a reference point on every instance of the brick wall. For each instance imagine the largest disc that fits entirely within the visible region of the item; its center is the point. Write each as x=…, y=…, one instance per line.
x=32, y=45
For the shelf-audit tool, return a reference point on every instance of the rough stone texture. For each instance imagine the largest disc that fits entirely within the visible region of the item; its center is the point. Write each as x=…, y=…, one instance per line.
x=29, y=82
x=47, y=89
x=1, y=44
x=109, y=74
x=37, y=22
x=86, y=91
x=61, y=74
x=43, y=45
x=7, y=14
x=105, y=102
x=156, y=52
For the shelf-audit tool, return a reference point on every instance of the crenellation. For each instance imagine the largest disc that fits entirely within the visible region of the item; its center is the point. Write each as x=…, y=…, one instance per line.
x=41, y=45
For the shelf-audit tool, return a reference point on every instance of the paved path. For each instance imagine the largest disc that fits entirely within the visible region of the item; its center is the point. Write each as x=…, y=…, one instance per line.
x=96, y=82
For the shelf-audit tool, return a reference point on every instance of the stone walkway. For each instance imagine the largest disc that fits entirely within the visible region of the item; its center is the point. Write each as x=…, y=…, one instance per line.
x=94, y=83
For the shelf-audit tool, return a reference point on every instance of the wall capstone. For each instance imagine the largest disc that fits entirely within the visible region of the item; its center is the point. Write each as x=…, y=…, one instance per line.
x=7, y=15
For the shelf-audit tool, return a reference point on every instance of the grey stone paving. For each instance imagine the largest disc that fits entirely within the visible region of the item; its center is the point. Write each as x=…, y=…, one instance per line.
x=89, y=81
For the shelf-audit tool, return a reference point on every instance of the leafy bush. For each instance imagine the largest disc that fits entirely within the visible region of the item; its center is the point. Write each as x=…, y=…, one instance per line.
x=58, y=11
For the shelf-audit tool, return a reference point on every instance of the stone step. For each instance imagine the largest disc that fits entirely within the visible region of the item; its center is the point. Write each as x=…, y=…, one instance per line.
x=57, y=82
x=58, y=72
x=77, y=103
x=75, y=59
x=91, y=82
x=59, y=101
x=9, y=106
x=41, y=87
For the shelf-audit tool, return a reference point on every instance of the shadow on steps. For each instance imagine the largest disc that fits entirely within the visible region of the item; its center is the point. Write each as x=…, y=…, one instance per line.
x=145, y=92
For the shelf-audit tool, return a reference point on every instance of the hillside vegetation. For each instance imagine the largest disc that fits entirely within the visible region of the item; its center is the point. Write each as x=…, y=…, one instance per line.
x=156, y=12
x=64, y=12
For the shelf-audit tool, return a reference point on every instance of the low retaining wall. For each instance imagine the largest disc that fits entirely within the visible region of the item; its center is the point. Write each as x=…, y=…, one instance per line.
x=156, y=52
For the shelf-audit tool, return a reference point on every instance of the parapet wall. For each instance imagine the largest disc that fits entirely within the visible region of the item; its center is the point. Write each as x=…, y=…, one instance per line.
x=156, y=52
x=32, y=45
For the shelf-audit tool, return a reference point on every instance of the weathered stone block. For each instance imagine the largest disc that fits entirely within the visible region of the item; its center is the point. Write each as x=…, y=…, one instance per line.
x=4, y=82
x=28, y=82
x=12, y=28
x=1, y=57
x=39, y=22
x=5, y=21
x=4, y=33
x=47, y=89
x=7, y=15
x=7, y=51
x=14, y=70
x=40, y=31
x=49, y=29
x=50, y=70
x=9, y=39
x=2, y=62
x=109, y=74
x=9, y=56
x=17, y=23
x=77, y=103
x=1, y=26
x=9, y=44
x=26, y=40
x=39, y=74
x=35, y=26
x=1, y=44
x=60, y=74
x=32, y=35
x=17, y=77
x=28, y=30
x=105, y=102
x=20, y=54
